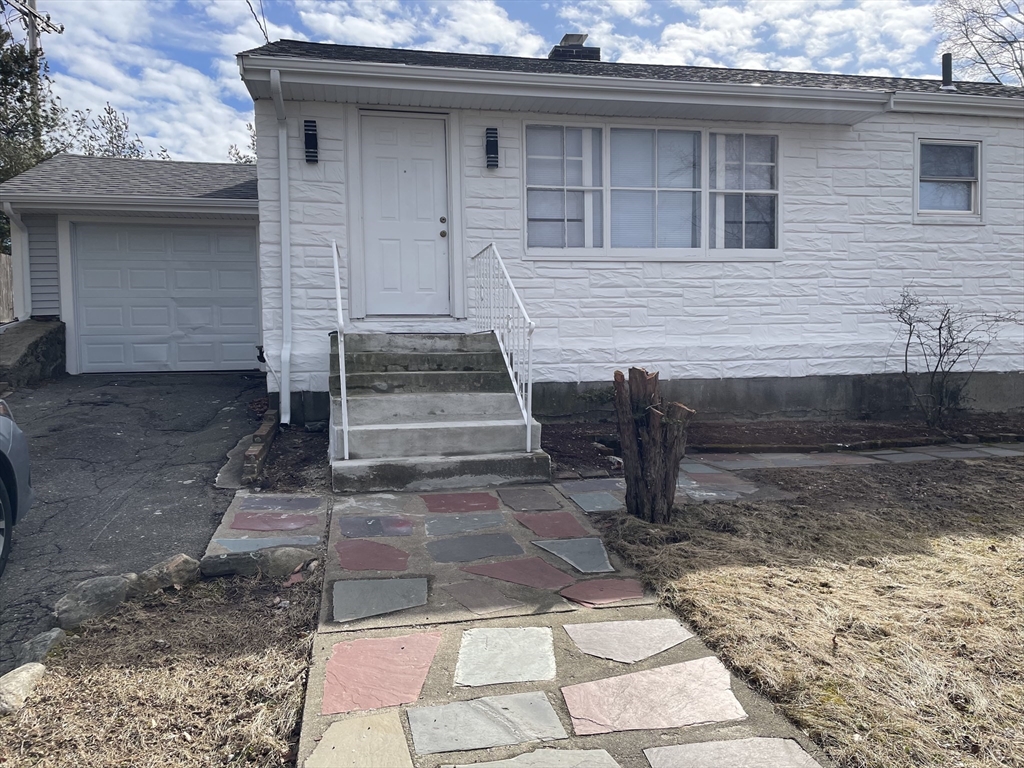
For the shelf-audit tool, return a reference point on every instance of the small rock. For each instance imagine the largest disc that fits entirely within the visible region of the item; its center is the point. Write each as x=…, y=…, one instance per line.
x=969, y=439
x=230, y=564
x=295, y=578
x=615, y=461
x=380, y=386
x=316, y=426
x=17, y=685
x=603, y=449
x=35, y=650
x=91, y=598
x=280, y=562
x=177, y=571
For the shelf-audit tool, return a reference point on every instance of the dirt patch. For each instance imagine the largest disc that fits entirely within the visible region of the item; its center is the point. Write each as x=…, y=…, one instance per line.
x=879, y=606
x=212, y=675
x=298, y=461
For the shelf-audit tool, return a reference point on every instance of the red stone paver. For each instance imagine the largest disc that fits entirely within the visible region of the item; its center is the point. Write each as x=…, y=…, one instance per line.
x=603, y=591
x=552, y=525
x=363, y=555
x=460, y=502
x=272, y=521
x=377, y=672
x=530, y=572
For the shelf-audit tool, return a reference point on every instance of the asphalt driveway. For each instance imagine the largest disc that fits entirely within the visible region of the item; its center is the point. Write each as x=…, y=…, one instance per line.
x=123, y=468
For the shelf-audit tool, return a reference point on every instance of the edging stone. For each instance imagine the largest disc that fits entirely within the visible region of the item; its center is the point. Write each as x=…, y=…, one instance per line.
x=36, y=649
x=256, y=454
x=91, y=598
x=17, y=685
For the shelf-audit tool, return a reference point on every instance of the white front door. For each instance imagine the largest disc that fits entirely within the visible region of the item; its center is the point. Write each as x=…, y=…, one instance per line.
x=405, y=215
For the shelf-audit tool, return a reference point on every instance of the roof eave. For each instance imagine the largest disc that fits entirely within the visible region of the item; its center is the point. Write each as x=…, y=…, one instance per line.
x=113, y=203
x=957, y=103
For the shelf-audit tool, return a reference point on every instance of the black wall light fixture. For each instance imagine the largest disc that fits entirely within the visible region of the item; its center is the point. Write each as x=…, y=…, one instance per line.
x=491, y=147
x=312, y=147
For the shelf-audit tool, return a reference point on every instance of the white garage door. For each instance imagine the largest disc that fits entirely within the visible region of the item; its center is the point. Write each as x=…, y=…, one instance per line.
x=166, y=298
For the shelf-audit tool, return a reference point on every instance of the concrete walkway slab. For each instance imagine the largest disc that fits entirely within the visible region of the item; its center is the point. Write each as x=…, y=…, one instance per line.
x=627, y=641
x=372, y=526
x=448, y=525
x=550, y=758
x=529, y=499
x=364, y=555
x=492, y=721
x=737, y=753
x=465, y=549
x=905, y=457
x=372, y=673
x=373, y=741
x=480, y=597
x=489, y=656
x=530, y=572
x=460, y=502
x=272, y=521
x=599, y=592
x=552, y=525
x=358, y=599
x=274, y=502
x=674, y=696
x=585, y=555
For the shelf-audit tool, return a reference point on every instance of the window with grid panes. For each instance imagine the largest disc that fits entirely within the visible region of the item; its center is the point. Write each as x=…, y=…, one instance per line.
x=744, y=201
x=564, y=195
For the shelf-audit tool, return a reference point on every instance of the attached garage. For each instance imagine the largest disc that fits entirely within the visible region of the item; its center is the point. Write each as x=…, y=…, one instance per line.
x=152, y=265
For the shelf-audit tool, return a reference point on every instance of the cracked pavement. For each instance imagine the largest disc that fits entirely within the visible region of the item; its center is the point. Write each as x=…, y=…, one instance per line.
x=123, y=469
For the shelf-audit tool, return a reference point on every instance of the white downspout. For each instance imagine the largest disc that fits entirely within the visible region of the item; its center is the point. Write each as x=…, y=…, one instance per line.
x=20, y=274
x=284, y=381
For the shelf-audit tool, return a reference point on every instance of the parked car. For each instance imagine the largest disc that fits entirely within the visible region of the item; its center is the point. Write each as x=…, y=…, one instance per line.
x=15, y=480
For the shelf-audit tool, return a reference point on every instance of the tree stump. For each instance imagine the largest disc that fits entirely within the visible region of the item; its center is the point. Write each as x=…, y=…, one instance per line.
x=653, y=436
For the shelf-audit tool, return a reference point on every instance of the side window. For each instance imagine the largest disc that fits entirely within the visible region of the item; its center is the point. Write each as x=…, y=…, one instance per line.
x=948, y=178
x=563, y=187
x=744, y=201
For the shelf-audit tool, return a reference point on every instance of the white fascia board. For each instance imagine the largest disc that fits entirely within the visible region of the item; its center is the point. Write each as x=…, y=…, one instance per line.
x=256, y=69
x=114, y=203
x=957, y=104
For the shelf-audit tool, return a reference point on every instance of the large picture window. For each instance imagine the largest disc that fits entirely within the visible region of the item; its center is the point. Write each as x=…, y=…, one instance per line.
x=624, y=188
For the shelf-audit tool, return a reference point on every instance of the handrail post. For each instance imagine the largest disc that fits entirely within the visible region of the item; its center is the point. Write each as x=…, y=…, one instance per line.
x=341, y=349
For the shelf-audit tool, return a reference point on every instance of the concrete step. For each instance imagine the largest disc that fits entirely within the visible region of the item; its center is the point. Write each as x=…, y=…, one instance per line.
x=368, y=362
x=391, y=408
x=435, y=438
x=436, y=473
x=420, y=342
x=425, y=381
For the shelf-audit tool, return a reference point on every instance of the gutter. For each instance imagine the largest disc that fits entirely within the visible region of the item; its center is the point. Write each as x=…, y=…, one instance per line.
x=284, y=381
x=118, y=203
x=20, y=274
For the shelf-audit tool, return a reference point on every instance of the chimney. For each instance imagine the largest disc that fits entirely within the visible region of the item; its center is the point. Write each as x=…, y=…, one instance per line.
x=571, y=49
x=947, y=72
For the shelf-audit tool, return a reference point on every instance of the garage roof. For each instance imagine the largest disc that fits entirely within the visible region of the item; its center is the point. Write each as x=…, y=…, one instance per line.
x=117, y=176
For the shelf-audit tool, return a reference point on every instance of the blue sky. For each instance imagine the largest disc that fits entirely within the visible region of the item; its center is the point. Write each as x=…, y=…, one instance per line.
x=169, y=64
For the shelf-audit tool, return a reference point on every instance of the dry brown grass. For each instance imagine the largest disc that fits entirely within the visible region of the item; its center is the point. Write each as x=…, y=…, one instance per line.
x=881, y=607
x=213, y=675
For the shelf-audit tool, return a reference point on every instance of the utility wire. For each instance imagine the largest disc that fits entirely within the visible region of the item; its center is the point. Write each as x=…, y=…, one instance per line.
x=257, y=18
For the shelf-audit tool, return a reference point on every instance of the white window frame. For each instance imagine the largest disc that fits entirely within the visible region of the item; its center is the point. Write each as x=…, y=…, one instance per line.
x=700, y=254
x=968, y=218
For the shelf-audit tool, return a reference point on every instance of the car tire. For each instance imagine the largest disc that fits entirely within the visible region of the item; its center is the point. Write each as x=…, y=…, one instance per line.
x=6, y=527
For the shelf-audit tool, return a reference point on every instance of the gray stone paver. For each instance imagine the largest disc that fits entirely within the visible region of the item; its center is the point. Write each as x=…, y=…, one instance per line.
x=489, y=656
x=627, y=641
x=465, y=549
x=736, y=753
x=550, y=758
x=448, y=525
x=360, y=598
x=490, y=721
x=585, y=555
x=597, y=501
x=997, y=450
x=529, y=499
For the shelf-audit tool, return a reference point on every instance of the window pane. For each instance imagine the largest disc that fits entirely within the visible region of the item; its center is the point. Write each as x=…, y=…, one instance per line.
x=759, y=177
x=596, y=153
x=948, y=161
x=760, y=149
x=573, y=172
x=678, y=219
x=545, y=204
x=946, y=196
x=544, y=140
x=574, y=142
x=726, y=221
x=545, y=234
x=632, y=158
x=678, y=159
x=632, y=218
x=760, y=221
x=598, y=217
x=542, y=170
x=574, y=206
x=725, y=153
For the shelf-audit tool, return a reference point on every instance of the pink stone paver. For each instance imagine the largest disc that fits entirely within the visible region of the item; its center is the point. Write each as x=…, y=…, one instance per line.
x=377, y=672
x=363, y=555
x=460, y=502
x=530, y=572
x=603, y=591
x=272, y=521
x=674, y=696
x=552, y=525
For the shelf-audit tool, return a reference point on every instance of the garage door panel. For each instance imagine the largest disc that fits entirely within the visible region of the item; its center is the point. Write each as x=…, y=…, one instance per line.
x=187, y=306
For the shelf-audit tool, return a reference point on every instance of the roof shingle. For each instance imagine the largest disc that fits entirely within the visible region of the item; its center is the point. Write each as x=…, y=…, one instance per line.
x=304, y=50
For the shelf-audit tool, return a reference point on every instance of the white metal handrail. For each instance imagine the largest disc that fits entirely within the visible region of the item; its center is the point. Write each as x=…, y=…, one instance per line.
x=498, y=308
x=341, y=351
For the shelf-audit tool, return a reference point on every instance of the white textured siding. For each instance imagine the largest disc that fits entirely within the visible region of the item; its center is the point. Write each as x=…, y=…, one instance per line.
x=43, y=269
x=847, y=231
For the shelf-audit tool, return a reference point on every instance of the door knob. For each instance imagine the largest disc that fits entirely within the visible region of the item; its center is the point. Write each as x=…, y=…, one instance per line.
x=444, y=233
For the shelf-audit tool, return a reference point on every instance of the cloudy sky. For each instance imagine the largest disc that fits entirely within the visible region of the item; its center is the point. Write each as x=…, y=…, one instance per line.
x=169, y=64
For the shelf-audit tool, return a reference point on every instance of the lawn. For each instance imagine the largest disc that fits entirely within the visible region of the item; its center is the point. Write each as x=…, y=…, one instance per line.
x=881, y=607
x=212, y=675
